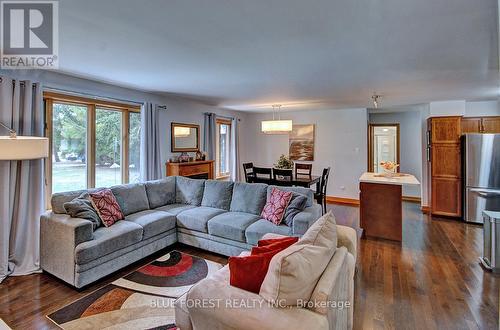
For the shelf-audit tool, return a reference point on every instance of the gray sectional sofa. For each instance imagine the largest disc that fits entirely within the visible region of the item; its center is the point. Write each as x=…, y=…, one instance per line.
x=218, y=216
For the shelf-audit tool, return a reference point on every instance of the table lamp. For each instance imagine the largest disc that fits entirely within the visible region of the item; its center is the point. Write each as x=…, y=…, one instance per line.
x=15, y=147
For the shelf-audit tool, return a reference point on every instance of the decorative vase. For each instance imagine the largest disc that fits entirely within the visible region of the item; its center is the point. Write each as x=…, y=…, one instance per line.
x=389, y=173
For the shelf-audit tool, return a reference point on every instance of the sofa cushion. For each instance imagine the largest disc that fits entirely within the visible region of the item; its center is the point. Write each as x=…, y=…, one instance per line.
x=152, y=222
x=189, y=191
x=295, y=271
x=248, y=197
x=160, y=192
x=107, y=240
x=248, y=272
x=218, y=194
x=197, y=218
x=106, y=206
x=297, y=204
x=308, y=193
x=256, y=230
x=231, y=225
x=58, y=199
x=175, y=209
x=132, y=197
x=276, y=205
x=81, y=207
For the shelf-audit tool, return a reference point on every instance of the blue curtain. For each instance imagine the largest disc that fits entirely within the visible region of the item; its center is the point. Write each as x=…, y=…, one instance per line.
x=209, y=138
x=150, y=143
x=22, y=197
x=235, y=157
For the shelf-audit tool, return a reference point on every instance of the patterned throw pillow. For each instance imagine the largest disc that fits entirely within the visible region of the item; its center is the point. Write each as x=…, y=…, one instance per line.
x=276, y=206
x=107, y=207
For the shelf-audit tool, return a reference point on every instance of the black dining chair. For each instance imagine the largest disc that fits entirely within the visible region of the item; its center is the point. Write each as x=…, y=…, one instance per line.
x=248, y=171
x=282, y=177
x=320, y=195
x=303, y=169
x=262, y=174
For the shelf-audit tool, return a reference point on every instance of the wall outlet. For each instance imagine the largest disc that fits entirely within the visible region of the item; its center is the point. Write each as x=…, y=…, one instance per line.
x=342, y=187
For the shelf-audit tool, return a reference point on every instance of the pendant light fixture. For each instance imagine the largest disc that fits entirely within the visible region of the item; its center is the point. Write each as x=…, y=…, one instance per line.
x=276, y=126
x=375, y=98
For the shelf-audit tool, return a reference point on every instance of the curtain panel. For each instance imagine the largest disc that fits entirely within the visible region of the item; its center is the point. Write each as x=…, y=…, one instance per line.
x=235, y=155
x=209, y=136
x=150, y=143
x=21, y=182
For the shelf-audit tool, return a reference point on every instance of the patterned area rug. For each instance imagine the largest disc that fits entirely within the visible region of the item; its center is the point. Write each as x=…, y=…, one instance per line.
x=143, y=299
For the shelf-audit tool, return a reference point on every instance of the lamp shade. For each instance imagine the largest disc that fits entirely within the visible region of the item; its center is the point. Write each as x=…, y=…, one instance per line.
x=23, y=147
x=276, y=126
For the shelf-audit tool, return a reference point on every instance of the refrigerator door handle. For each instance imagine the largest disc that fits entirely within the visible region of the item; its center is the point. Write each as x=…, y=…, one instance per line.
x=486, y=193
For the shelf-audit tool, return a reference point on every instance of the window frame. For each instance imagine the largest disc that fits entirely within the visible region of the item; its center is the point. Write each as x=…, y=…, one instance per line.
x=218, y=123
x=92, y=104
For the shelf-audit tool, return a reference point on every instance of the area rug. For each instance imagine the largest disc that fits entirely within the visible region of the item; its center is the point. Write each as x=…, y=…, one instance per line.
x=143, y=299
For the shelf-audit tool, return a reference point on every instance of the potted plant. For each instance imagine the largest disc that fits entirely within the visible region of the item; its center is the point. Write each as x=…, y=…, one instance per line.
x=284, y=163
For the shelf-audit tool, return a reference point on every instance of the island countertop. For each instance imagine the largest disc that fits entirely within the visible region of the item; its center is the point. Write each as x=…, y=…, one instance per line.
x=402, y=179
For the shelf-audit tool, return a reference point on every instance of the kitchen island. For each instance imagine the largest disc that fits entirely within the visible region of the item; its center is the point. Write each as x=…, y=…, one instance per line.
x=381, y=210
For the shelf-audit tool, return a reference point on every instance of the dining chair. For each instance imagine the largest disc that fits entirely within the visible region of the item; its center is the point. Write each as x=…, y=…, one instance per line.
x=282, y=177
x=248, y=171
x=262, y=174
x=320, y=195
x=303, y=169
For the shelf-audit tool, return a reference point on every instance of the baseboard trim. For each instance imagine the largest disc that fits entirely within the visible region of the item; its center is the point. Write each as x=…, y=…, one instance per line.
x=425, y=209
x=342, y=201
x=412, y=199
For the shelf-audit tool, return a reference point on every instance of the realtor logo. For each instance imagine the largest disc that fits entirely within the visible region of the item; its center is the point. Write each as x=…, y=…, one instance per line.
x=29, y=34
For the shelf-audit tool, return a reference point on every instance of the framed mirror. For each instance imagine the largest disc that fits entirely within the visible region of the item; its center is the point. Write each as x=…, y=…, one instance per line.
x=185, y=137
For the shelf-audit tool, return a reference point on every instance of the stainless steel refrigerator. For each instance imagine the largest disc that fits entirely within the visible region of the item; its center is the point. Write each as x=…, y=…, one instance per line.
x=481, y=160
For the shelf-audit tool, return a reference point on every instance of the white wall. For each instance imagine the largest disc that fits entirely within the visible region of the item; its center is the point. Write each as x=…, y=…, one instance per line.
x=410, y=143
x=482, y=108
x=177, y=109
x=447, y=108
x=340, y=142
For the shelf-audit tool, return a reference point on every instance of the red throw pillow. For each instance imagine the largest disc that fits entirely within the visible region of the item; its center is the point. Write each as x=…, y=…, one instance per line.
x=275, y=208
x=248, y=272
x=106, y=206
x=280, y=244
x=263, y=242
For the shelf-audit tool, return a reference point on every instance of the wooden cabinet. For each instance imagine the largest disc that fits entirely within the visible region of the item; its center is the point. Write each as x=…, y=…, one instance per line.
x=446, y=161
x=446, y=197
x=197, y=169
x=446, y=171
x=491, y=124
x=471, y=125
x=446, y=129
x=480, y=125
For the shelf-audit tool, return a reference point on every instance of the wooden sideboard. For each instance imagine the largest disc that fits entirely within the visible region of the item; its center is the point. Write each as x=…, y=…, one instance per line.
x=197, y=169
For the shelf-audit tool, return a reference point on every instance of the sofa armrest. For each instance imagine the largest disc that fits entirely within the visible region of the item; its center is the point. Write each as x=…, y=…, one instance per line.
x=347, y=237
x=59, y=235
x=214, y=304
x=305, y=219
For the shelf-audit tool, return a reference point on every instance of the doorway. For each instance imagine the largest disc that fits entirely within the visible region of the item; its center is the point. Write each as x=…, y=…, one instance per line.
x=383, y=145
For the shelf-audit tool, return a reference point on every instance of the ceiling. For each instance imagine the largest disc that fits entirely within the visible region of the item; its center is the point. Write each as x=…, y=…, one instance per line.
x=247, y=55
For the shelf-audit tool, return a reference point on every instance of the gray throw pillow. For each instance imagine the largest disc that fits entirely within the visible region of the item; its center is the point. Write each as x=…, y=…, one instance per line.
x=297, y=204
x=81, y=207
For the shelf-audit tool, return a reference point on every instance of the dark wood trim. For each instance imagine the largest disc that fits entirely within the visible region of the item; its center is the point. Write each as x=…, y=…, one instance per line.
x=342, y=201
x=370, y=144
x=425, y=209
x=412, y=199
x=173, y=148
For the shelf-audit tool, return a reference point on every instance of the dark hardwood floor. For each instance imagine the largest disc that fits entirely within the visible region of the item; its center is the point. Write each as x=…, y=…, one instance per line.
x=430, y=281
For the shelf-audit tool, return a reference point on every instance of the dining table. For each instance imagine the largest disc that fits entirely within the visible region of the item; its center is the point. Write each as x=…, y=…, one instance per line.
x=306, y=181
